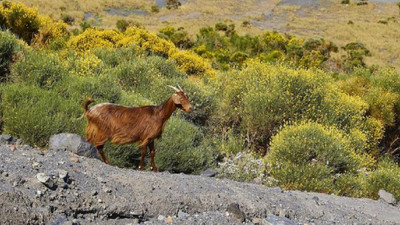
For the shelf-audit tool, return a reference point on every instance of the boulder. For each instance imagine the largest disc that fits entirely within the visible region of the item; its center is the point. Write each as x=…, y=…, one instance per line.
x=386, y=196
x=5, y=139
x=73, y=143
x=209, y=173
x=234, y=209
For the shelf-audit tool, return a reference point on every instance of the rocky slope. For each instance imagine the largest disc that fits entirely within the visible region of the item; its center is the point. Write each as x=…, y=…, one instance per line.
x=59, y=187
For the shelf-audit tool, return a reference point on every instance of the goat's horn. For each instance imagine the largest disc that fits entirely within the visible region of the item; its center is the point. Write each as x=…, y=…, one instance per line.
x=180, y=88
x=175, y=89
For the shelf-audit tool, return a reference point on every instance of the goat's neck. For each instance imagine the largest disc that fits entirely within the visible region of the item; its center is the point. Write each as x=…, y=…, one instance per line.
x=166, y=109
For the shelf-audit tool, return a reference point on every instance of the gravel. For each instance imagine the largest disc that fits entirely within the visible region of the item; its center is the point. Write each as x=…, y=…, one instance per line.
x=91, y=192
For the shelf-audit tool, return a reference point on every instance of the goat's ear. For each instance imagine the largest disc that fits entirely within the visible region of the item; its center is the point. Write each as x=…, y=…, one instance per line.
x=176, y=98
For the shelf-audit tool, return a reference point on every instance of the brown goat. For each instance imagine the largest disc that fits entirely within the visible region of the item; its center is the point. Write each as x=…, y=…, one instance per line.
x=123, y=125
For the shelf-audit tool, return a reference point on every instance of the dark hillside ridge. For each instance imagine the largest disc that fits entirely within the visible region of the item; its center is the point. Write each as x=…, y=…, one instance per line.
x=59, y=187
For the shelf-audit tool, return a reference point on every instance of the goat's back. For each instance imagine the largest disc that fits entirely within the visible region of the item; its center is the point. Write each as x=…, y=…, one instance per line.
x=121, y=124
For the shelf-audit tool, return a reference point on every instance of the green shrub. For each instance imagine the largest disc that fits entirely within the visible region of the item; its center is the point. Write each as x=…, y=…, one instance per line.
x=362, y=2
x=68, y=19
x=138, y=75
x=221, y=27
x=180, y=148
x=123, y=156
x=122, y=25
x=112, y=57
x=202, y=99
x=350, y=184
x=386, y=177
x=101, y=89
x=34, y=114
x=39, y=68
x=355, y=55
x=86, y=65
x=57, y=44
x=173, y=4
x=308, y=156
x=85, y=25
x=9, y=46
x=381, y=90
x=244, y=167
x=345, y=2
x=273, y=41
x=260, y=98
x=154, y=9
x=246, y=23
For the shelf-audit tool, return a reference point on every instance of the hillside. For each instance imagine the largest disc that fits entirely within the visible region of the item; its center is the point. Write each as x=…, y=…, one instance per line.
x=376, y=24
x=82, y=190
x=270, y=108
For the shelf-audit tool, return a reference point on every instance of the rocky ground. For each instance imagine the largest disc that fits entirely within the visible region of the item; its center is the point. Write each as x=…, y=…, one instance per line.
x=60, y=187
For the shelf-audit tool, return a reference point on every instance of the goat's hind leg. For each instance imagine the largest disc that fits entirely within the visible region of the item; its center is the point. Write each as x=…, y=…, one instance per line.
x=143, y=149
x=101, y=152
x=152, y=154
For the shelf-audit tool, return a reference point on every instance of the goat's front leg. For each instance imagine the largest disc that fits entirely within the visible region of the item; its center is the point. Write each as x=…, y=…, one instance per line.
x=143, y=149
x=152, y=154
x=101, y=152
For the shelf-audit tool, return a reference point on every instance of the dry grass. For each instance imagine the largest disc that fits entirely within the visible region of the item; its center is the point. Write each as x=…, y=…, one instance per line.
x=329, y=20
x=332, y=23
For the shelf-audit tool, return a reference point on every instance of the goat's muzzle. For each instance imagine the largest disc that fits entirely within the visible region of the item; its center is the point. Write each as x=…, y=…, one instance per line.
x=188, y=109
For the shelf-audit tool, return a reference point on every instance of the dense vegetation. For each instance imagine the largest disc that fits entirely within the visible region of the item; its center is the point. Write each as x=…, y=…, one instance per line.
x=266, y=108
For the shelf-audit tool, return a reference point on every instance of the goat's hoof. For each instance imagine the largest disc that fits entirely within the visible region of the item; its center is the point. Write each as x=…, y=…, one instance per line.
x=107, y=162
x=141, y=168
x=155, y=169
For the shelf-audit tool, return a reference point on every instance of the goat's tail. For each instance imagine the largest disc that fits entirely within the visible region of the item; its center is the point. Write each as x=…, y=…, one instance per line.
x=86, y=103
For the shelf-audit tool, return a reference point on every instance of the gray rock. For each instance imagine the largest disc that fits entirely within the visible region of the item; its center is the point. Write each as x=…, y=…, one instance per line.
x=209, y=173
x=42, y=177
x=277, y=220
x=73, y=143
x=46, y=180
x=35, y=165
x=107, y=190
x=386, y=196
x=63, y=176
x=5, y=139
x=235, y=210
x=182, y=214
x=161, y=218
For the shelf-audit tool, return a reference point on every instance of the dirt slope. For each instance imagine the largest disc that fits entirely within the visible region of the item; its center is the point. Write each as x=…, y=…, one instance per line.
x=91, y=192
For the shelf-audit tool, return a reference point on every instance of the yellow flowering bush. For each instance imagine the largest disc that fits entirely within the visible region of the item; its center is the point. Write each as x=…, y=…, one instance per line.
x=191, y=63
x=29, y=25
x=94, y=38
x=146, y=41
x=86, y=65
x=21, y=20
x=310, y=156
x=381, y=91
x=386, y=177
x=50, y=29
x=273, y=40
x=262, y=97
